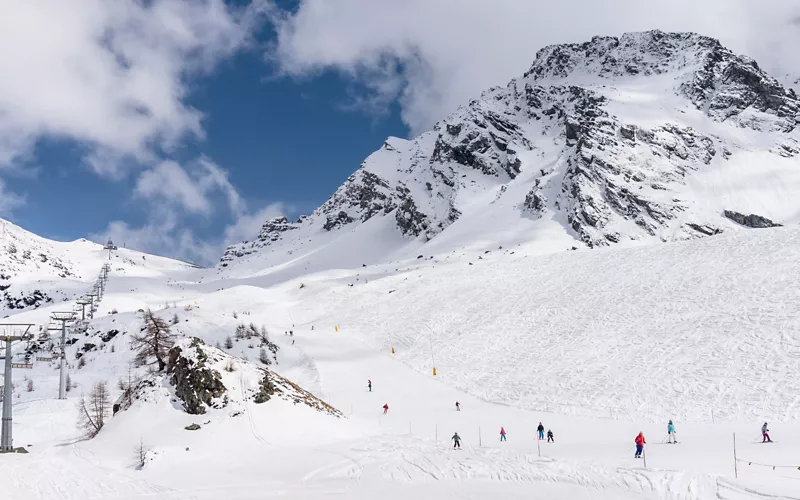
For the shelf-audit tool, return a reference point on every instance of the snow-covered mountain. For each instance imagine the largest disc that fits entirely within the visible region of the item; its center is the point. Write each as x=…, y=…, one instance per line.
x=648, y=137
x=35, y=271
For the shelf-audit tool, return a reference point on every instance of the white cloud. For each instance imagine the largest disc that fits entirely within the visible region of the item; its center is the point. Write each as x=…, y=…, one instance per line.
x=188, y=188
x=165, y=234
x=109, y=74
x=174, y=193
x=9, y=201
x=435, y=55
x=248, y=225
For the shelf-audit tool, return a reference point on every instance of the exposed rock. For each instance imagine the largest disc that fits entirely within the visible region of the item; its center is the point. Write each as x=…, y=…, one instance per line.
x=192, y=427
x=196, y=385
x=752, y=220
x=705, y=229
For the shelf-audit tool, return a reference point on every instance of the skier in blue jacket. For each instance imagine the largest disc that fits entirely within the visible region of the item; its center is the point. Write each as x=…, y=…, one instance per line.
x=671, y=433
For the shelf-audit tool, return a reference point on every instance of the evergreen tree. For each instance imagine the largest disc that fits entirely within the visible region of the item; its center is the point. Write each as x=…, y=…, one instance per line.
x=264, y=357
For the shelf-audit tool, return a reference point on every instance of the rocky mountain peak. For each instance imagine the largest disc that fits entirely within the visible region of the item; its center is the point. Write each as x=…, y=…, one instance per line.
x=608, y=139
x=632, y=54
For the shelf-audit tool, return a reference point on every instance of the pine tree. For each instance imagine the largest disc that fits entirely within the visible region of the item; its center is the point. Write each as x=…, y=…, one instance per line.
x=241, y=331
x=92, y=413
x=264, y=357
x=229, y=343
x=154, y=341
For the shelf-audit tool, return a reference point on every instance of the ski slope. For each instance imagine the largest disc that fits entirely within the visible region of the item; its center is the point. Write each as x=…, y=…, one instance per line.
x=597, y=345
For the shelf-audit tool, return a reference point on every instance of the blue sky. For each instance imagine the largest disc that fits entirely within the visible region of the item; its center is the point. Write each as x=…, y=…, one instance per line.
x=179, y=126
x=281, y=139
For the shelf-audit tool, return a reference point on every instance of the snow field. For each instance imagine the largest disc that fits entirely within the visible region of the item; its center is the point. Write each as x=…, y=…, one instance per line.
x=516, y=339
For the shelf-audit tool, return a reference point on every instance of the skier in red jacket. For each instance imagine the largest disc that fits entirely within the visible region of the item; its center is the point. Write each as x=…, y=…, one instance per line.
x=640, y=442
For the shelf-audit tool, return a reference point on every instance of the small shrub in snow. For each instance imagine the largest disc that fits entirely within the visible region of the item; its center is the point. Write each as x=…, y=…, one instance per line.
x=81, y=362
x=29, y=387
x=228, y=343
x=175, y=319
x=230, y=366
x=69, y=383
x=235, y=316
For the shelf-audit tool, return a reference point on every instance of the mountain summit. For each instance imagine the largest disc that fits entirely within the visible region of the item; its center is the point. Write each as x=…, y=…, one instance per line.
x=648, y=137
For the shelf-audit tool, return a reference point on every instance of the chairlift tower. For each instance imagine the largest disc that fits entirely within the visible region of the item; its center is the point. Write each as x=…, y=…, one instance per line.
x=63, y=318
x=83, y=302
x=7, y=334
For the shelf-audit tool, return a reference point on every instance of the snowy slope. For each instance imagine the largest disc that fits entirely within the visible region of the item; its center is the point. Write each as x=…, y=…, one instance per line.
x=37, y=272
x=596, y=344
x=644, y=138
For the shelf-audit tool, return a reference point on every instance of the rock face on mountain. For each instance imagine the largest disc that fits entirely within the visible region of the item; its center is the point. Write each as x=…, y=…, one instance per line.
x=26, y=261
x=616, y=139
x=201, y=376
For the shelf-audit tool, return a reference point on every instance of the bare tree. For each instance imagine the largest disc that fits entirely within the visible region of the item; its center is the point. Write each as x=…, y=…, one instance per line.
x=92, y=413
x=140, y=454
x=128, y=386
x=154, y=341
x=29, y=387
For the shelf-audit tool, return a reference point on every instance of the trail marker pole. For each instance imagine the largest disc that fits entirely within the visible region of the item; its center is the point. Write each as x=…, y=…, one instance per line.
x=539, y=445
x=644, y=455
x=735, y=461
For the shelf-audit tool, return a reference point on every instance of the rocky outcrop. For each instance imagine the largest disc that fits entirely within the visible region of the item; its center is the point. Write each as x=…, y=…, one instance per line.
x=200, y=377
x=752, y=220
x=24, y=301
x=196, y=384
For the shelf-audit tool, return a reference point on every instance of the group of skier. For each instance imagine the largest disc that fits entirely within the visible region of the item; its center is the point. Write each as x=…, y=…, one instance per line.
x=639, y=441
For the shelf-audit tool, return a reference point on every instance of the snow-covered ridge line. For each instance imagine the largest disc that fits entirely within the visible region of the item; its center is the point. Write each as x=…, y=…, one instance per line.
x=648, y=137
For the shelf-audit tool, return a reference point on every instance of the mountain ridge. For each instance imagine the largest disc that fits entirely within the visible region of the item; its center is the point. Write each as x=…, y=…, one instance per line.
x=651, y=136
